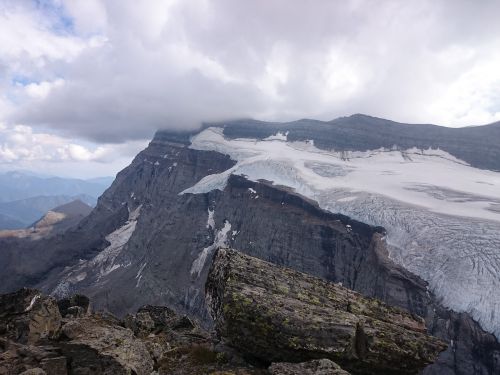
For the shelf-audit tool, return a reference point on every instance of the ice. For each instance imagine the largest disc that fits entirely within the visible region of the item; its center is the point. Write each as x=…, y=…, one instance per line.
x=442, y=216
x=221, y=240
x=279, y=136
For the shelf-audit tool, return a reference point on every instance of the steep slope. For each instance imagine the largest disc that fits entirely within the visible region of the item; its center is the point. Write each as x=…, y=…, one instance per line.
x=27, y=211
x=153, y=232
x=55, y=221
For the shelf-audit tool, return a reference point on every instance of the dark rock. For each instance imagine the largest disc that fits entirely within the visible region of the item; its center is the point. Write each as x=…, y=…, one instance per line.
x=28, y=316
x=97, y=345
x=16, y=358
x=75, y=306
x=277, y=314
x=314, y=367
x=34, y=371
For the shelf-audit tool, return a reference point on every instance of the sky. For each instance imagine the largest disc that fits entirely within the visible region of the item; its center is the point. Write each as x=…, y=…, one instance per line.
x=84, y=84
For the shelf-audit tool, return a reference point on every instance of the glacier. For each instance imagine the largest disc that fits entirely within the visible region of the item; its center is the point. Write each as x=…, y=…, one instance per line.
x=442, y=216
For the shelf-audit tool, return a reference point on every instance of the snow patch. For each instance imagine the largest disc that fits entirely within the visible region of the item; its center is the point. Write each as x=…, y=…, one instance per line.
x=32, y=303
x=279, y=136
x=105, y=260
x=210, y=220
x=139, y=274
x=103, y=263
x=221, y=240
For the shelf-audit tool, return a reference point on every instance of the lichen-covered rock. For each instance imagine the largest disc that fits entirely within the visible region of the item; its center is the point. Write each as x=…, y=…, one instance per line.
x=17, y=358
x=314, y=367
x=100, y=346
x=280, y=315
x=75, y=306
x=27, y=316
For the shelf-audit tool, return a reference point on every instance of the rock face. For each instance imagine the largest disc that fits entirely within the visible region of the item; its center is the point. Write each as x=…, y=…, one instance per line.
x=145, y=243
x=277, y=314
x=314, y=367
x=28, y=316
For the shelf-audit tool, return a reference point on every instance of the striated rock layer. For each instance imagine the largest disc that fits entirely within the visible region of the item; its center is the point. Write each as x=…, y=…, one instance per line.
x=278, y=314
x=145, y=243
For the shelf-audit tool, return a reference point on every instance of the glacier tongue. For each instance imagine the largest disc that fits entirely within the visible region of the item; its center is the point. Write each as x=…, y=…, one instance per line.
x=442, y=216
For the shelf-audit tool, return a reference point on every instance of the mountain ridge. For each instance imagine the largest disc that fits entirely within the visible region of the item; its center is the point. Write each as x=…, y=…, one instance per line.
x=148, y=242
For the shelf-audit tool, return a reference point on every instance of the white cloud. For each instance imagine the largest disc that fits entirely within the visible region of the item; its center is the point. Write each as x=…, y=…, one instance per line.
x=19, y=144
x=42, y=89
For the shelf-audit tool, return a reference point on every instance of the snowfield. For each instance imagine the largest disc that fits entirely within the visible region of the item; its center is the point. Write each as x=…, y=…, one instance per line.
x=442, y=216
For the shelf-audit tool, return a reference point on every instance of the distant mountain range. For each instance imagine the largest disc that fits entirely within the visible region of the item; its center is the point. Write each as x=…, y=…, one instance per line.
x=54, y=221
x=26, y=196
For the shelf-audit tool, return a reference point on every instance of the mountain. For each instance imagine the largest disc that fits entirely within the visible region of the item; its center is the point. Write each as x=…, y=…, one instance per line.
x=17, y=185
x=25, y=212
x=383, y=208
x=55, y=221
x=477, y=145
x=7, y=222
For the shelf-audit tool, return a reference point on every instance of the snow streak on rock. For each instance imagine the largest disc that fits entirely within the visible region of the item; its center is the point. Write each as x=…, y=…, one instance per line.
x=221, y=240
x=105, y=262
x=442, y=216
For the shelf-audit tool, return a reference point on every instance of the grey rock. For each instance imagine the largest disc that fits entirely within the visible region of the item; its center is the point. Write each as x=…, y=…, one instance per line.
x=278, y=314
x=27, y=316
x=314, y=367
x=98, y=345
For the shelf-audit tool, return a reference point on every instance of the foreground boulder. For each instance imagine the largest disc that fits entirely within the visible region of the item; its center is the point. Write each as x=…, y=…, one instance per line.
x=314, y=367
x=98, y=344
x=27, y=316
x=275, y=314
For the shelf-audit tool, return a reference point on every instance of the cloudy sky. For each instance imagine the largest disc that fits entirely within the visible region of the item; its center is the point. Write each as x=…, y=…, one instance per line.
x=85, y=83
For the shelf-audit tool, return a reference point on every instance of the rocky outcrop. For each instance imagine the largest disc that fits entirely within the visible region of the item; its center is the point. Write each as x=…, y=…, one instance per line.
x=155, y=340
x=104, y=347
x=28, y=316
x=314, y=367
x=277, y=314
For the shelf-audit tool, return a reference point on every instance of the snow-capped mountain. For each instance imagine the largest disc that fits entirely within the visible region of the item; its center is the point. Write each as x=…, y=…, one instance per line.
x=410, y=218
x=442, y=216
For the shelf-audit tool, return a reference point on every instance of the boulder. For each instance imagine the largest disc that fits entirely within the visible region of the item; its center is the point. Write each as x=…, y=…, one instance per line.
x=314, y=367
x=75, y=306
x=17, y=358
x=27, y=316
x=276, y=314
x=96, y=345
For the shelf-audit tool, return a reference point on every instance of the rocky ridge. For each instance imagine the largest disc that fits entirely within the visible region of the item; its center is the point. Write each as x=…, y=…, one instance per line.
x=39, y=335
x=166, y=257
